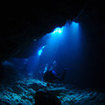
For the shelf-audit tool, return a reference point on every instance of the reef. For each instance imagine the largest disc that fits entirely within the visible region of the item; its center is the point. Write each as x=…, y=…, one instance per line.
x=23, y=91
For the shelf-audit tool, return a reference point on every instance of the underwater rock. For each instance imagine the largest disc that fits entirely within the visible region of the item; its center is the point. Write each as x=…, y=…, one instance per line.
x=4, y=103
x=46, y=98
x=36, y=86
x=57, y=90
x=17, y=89
x=28, y=91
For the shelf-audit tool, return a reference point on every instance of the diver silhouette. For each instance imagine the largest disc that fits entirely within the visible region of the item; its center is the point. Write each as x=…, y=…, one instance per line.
x=49, y=74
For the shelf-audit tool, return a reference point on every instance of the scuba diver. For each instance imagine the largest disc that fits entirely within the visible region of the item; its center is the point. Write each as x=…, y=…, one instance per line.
x=49, y=74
